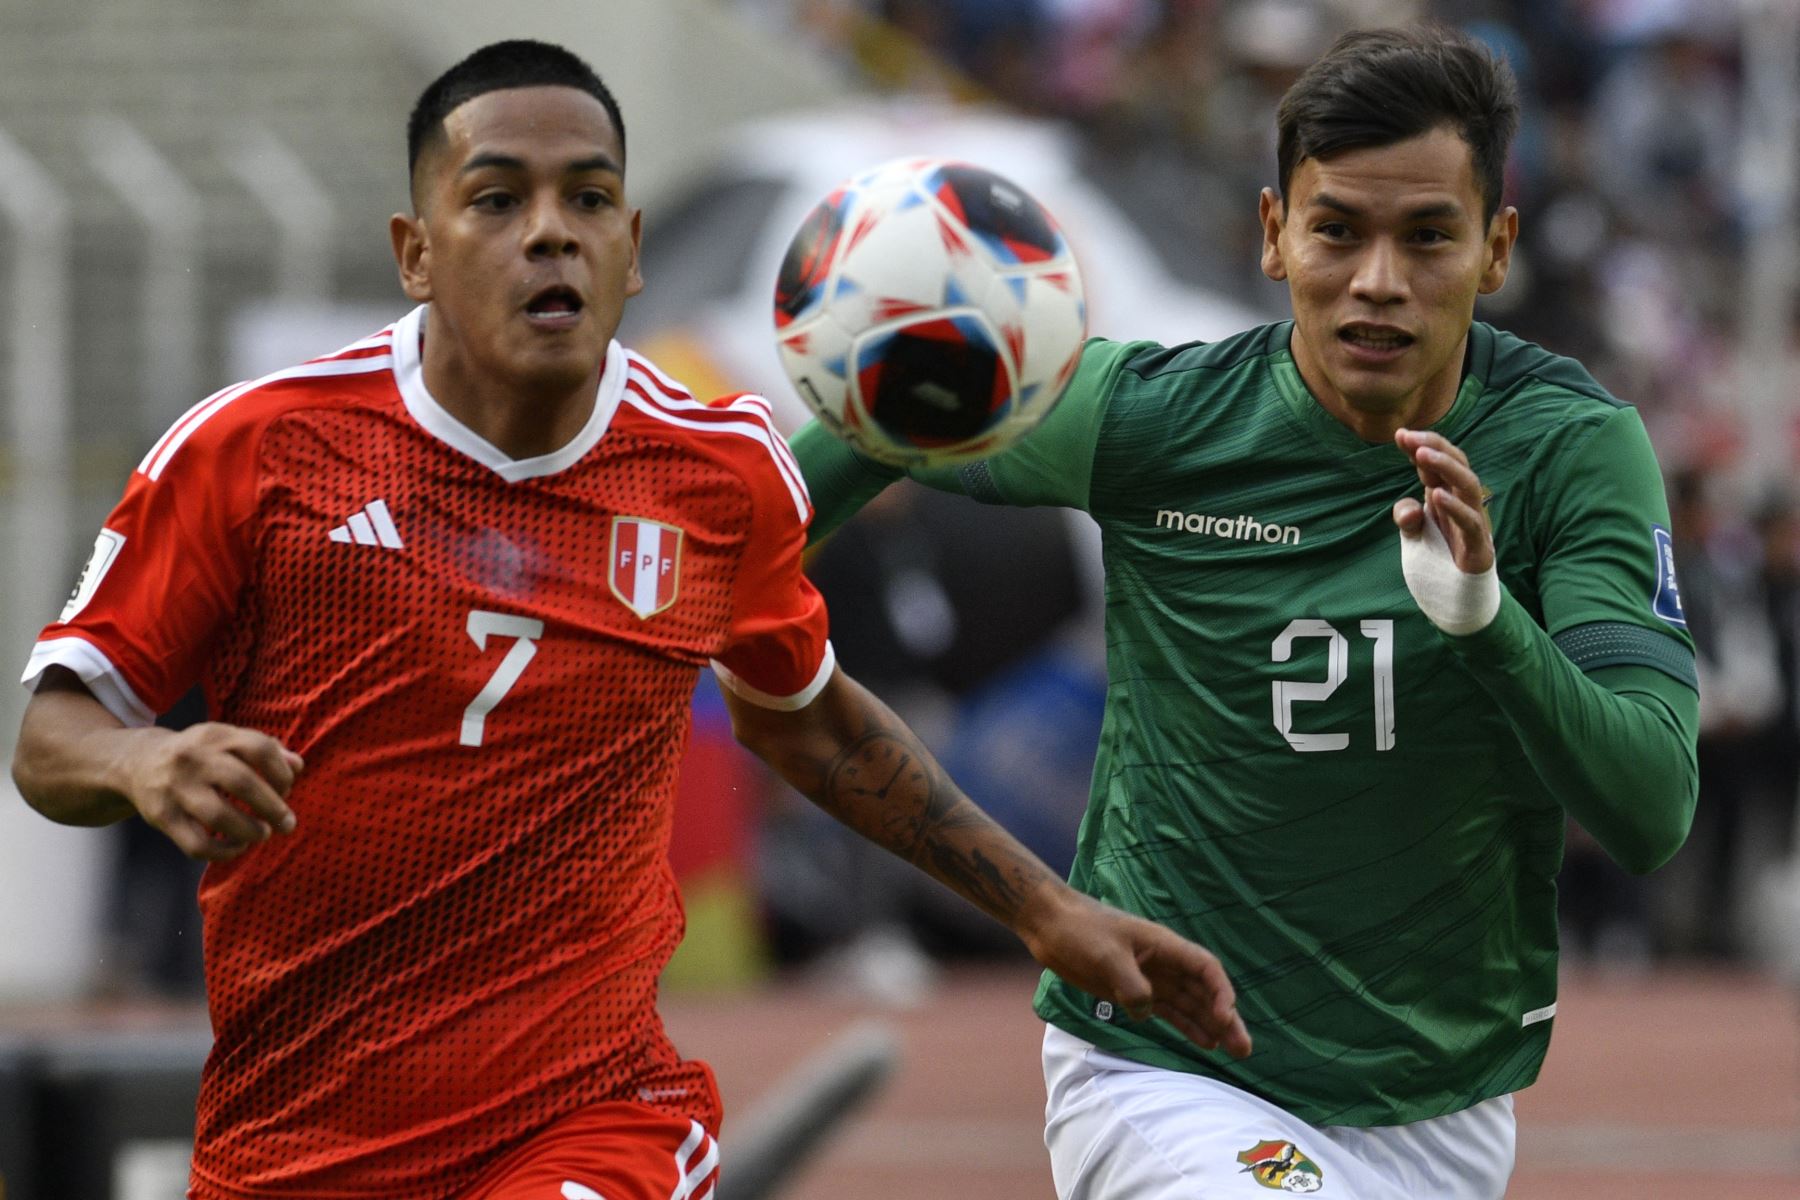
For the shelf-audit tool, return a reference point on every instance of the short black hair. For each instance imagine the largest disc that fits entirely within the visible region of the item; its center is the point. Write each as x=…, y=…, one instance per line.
x=1375, y=87
x=496, y=67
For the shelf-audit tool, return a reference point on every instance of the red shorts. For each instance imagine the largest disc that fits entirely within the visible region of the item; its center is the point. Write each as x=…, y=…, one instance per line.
x=619, y=1150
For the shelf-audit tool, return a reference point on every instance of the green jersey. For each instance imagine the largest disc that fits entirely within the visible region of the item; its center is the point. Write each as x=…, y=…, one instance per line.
x=1296, y=769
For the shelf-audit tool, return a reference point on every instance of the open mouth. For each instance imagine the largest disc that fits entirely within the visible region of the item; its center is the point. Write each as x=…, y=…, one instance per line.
x=558, y=303
x=1375, y=339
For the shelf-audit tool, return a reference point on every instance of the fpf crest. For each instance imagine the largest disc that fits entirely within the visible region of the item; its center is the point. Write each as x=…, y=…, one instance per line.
x=645, y=564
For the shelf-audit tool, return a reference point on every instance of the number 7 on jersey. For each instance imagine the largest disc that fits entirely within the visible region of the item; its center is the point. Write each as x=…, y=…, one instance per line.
x=483, y=625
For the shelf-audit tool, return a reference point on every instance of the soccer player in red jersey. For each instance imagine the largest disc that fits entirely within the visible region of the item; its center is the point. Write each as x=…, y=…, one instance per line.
x=447, y=591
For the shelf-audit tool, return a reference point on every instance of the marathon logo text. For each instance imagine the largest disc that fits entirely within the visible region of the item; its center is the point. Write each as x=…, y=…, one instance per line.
x=1238, y=529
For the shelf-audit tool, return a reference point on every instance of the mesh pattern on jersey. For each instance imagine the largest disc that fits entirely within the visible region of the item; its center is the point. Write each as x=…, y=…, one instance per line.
x=460, y=943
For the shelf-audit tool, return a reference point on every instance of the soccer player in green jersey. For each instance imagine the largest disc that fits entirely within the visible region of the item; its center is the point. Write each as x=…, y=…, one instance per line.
x=1389, y=596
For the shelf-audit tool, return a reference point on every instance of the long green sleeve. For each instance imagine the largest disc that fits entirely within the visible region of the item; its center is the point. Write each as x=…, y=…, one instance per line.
x=839, y=479
x=1050, y=465
x=1616, y=746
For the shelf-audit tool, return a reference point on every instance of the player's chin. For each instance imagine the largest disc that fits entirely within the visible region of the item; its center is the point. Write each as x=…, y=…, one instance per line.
x=557, y=360
x=555, y=333
x=1379, y=384
x=1388, y=371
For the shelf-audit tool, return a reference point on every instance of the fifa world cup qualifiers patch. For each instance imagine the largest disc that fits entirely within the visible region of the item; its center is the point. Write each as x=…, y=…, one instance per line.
x=106, y=551
x=1282, y=1167
x=1667, y=603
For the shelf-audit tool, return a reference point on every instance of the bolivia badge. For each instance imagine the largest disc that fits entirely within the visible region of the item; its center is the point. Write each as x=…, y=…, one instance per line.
x=1281, y=1167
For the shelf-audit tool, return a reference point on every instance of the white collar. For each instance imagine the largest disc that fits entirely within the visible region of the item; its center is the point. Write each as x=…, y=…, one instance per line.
x=409, y=377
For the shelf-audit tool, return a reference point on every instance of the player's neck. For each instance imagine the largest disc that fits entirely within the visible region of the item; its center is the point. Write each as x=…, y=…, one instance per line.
x=1376, y=419
x=1378, y=424
x=520, y=418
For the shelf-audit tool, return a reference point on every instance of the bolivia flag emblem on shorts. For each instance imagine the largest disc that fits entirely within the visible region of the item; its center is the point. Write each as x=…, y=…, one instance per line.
x=1280, y=1166
x=646, y=564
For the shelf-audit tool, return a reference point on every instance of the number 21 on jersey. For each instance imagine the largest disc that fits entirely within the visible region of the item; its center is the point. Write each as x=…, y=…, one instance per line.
x=1288, y=692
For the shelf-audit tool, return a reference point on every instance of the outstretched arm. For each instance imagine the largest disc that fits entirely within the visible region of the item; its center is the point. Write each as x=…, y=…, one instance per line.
x=214, y=790
x=1053, y=464
x=852, y=756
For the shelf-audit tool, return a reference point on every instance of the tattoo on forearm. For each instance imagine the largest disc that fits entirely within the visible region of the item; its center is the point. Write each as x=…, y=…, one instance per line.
x=887, y=786
x=987, y=882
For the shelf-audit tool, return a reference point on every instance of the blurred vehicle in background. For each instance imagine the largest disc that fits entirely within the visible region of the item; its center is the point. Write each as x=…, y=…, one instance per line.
x=711, y=252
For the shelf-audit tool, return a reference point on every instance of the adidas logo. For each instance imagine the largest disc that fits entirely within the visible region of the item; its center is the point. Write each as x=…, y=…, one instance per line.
x=373, y=526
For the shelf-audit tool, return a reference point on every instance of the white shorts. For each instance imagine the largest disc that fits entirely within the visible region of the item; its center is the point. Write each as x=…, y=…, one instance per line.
x=1119, y=1129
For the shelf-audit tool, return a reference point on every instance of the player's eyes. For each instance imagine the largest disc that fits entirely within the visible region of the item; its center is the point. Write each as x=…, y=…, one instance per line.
x=1430, y=237
x=1335, y=230
x=495, y=201
x=592, y=199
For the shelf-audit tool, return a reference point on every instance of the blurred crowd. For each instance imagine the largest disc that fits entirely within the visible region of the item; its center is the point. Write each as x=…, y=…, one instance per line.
x=1740, y=583
x=1626, y=168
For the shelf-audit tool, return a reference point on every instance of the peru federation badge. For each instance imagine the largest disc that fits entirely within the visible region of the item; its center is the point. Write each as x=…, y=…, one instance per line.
x=646, y=564
x=1282, y=1167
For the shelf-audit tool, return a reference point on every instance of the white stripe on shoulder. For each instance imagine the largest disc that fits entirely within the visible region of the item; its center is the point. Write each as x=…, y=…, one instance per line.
x=765, y=412
x=95, y=670
x=382, y=339
x=748, y=402
x=752, y=400
x=656, y=390
x=758, y=408
x=755, y=430
x=651, y=371
x=158, y=459
x=747, y=405
x=665, y=390
x=180, y=422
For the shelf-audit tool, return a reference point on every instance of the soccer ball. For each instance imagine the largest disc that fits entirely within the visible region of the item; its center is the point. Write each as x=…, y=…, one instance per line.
x=929, y=312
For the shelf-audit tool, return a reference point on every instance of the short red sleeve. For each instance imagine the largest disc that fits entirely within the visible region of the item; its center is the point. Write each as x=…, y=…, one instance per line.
x=777, y=654
x=166, y=569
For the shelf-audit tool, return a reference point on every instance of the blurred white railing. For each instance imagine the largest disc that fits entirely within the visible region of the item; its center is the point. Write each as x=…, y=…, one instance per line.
x=38, y=398
x=303, y=211
x=171, y=211
x=48, y=875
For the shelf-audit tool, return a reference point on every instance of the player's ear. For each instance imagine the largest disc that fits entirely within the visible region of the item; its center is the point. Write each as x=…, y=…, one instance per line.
x=1273, y=218
x=1503, y=232
x=634, y=282
x=412, y=255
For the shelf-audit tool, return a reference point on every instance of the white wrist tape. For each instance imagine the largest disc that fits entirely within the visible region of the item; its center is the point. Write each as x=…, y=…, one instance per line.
x=1454, y=600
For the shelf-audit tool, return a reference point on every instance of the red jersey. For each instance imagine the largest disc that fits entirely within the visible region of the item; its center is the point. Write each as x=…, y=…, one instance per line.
x=487, y=664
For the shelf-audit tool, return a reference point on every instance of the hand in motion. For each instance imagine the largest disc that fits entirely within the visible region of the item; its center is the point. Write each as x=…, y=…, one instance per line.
x=214, y=790
x=1446, y=543
x=1142, y=968
x=1453, y=500
x=854, y=758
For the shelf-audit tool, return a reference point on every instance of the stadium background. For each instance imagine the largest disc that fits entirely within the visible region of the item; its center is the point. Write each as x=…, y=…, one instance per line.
x=191, y=193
